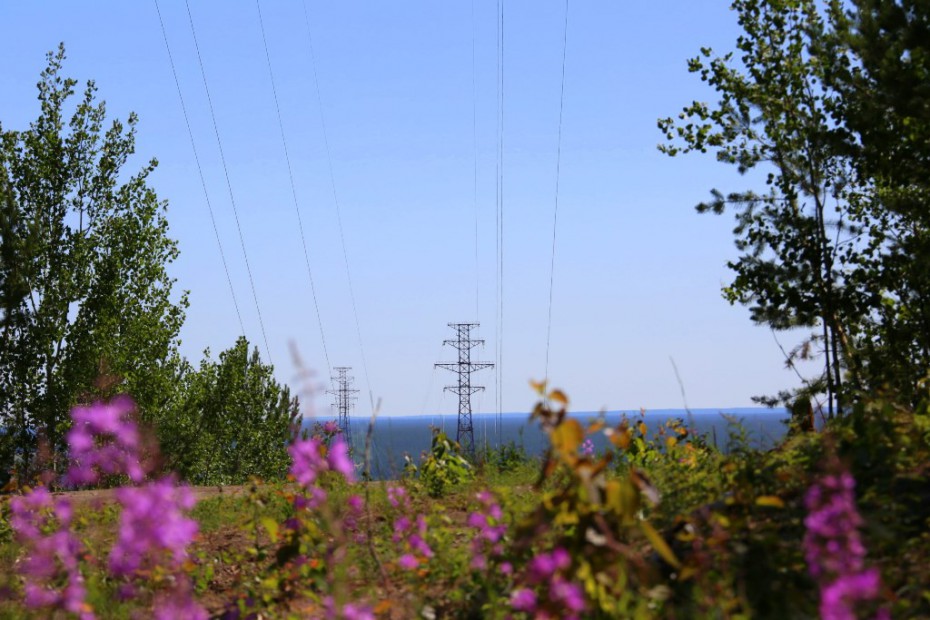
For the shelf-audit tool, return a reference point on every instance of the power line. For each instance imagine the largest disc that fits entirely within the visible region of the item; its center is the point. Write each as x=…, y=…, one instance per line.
x=474, y=135
x=232, y=198
x=203, y=181
x=500, y=210
x=332, y=180
x=290, y=173
x=558, y=169
x=497, y=221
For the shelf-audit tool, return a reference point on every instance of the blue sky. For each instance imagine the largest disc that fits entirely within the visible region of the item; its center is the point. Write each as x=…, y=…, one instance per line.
x=638, y=272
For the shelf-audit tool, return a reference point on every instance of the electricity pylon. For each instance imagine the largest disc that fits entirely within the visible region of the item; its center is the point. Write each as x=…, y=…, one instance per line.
x=344, y=397
x=464, y=343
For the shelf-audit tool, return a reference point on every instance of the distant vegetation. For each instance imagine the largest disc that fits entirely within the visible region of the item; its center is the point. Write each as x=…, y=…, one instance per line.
x=87, y=310
x=828, y=107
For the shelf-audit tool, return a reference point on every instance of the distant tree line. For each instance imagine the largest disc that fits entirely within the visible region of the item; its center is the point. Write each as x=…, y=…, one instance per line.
x=87, y=310
x=830, y=102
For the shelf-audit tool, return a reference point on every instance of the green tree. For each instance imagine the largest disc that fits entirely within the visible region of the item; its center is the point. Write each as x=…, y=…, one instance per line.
x=832, y=104
x=236, y=421
x=881, y=71
x=87, y=303
x=803, y=234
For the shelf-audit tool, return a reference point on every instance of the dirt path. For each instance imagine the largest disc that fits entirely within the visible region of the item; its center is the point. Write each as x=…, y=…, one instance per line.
x=92, y=496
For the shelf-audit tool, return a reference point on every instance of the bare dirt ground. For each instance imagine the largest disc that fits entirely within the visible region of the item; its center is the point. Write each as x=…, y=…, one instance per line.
x=92, y=496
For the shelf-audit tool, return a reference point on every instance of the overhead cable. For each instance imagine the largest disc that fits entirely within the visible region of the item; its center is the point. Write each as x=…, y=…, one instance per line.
x=203, y=182
x=290, y=173
x=232, y=197
x=332, y=181
x=558, y=169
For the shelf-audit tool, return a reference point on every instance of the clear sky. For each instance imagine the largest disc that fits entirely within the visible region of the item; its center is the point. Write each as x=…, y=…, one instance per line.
x=637, y=273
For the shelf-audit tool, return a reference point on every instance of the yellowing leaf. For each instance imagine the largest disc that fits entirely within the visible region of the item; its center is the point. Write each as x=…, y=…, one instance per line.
x=629, y=502
x=568, y=435
x=643, y=428
x=772, y=501
x=558, y=396
x=612, y=496
x=621, y=438
x=658, y=543
x=271, y=526
x=671, y=442
x=538, y=386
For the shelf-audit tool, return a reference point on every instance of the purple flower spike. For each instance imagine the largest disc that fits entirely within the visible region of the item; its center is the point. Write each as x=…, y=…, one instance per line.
x=104, y=439
x=397, y=496
x=349, y=611
x=42, y=527
x=178, y=605
x=409, y=534
x=569, y=594
x=587, y=448
x=357, y=612
x=834, y=550
x=339, y=459
x=153, y=527
x=523, y=599
x=548, y=592
x=308, y=461
x=489, y=531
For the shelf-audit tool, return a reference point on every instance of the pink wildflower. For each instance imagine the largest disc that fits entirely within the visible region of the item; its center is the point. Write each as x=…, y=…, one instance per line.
x=357, y=612
x=104, y=439
x=349, y=611
x=52, y=555
x=179, y=605
x=353, y=512
x=338, y=459
x=555, y=596
x=397, y=496
x=489, y=531
x=308, y=461
x=153, y=527
x=410, y=535
x=523, y=599
x=587, y=448
x=834, y=550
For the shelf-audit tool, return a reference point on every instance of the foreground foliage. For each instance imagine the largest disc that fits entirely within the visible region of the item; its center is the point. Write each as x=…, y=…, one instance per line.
x=661, y=524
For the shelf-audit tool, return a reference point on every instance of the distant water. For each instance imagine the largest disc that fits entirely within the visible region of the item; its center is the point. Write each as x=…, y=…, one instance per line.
x=395, y=436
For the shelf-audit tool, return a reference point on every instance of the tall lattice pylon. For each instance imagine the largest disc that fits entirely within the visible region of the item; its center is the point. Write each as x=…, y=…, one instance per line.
x=464, y=343
x=344, y=397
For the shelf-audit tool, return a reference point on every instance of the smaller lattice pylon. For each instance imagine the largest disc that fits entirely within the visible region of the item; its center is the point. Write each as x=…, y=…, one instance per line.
x=343, y=399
